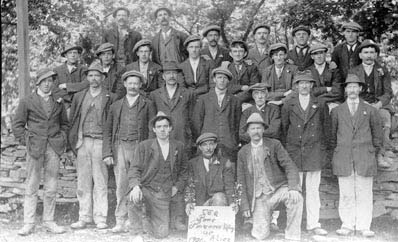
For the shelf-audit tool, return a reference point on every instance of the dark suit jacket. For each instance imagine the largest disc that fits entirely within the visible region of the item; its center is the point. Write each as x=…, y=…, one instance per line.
x=111, y=129
x=201, y=86
x=382, y=81
x=261, y=61
x=178, y=38
x=32, y=126
x=223, y=121
x=355, y=140
x=301, y=64
x=75, y=82
x=280, y=170
x=248, y=75
x=179, y=108
x=221, y=179
x=222, y=55
x=75, y=114
x=145, y=163
x=154, y=75
x=271, y=114
x=329, y=78
x=343, y=61
x=306, y=138
x=113, y=81
x=269, y=76
x=112, y=36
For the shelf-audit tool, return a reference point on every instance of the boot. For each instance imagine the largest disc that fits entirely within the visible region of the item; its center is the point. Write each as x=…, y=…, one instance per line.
x=52, y=227
x=26, y=229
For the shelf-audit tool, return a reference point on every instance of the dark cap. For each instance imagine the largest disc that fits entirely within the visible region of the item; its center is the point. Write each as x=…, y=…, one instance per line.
x=241, y=42
x=305, y=75
x=133, y=73
x=262, y=86
x=164, y=9
x=209, y=28
x=96, y=66
x=301, y=28
x=191, y=38
x=206, y=137
x=118, y=9
x=261, y=26
x=276, y=46
x=368, y=43
x=353, y=78
x=171, y=66
x=105, y=47
x=142, y=42
x=222, y=70
x=160, y=115
x=71, y=47
x=43, y=74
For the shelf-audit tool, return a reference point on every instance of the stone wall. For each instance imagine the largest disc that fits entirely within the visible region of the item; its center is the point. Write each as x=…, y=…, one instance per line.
x=13, y=171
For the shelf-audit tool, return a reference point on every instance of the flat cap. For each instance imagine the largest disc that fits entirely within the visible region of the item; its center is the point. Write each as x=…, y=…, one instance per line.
x=222, y=70
x=276, y=46
x=133, y=73
x=238, y=41
x=262, y=86
x=43, y=74
x=301, y=28
x=261, y=26
x=71, y=47
x=160, y=115
x=318, y=47
x=191, y=38
x=353, y=78
x=351, y=25
x=164, y=9
x=209, y=28
x=206, y=137
x=142, y=42
x=305, y=75
x=368, y=43
x=171, y=66
x=255, y=118
x=96, y=66
x=105, y=47
x=118, y=9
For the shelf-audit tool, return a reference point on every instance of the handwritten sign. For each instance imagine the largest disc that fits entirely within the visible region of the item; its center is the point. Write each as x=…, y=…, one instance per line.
x=211, y=224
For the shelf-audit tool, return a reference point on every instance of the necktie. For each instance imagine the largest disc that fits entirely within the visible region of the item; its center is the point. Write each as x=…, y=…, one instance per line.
x=301, y=53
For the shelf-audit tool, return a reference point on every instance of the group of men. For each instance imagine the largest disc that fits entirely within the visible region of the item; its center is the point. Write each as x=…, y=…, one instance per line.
x=167, y=116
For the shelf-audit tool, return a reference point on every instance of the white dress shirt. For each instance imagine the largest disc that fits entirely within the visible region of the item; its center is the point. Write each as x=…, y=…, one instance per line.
x=206, y=163
x=194, y=65
x=220, y=96
x=320, y=68
x=368, y=68
x=304, y=101
x=164, y=148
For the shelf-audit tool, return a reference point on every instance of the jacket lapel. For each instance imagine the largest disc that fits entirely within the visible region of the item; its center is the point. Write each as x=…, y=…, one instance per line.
x=37, y=104
x=172, y=154
x=313, y=108
x=213, y=170
x=225, y=101
x=200, y=167
x=297, y=109
x=316, y=76
x=155, y=152
x=164, y=95
x=359, y=116
x=176, y=98
x=347, y=115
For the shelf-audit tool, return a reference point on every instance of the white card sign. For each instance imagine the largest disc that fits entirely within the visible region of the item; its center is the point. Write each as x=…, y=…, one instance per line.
x=211, y=224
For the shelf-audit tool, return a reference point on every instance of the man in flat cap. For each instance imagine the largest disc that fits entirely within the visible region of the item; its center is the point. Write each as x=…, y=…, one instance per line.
x=305, y=126
x=269, y=112
x=71, y=76
x=149, y=69
x=126, y=126
x=218, y=112
x=158, y=171
x=244, y=73
x=327, y=80
x=213, y=52
x=122, y=37
x=356, y=139
x=195, y=70
x=88, y=115
x=259, y=52
x=268, y=177
x=279, y=75
x=41, y=124
x=113, y=70
x=300, y=55
x=346, y=55
x=168, y=43
x=212, y=176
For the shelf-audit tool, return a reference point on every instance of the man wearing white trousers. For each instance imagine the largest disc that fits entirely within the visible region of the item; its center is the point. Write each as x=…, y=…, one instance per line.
x=356, y=139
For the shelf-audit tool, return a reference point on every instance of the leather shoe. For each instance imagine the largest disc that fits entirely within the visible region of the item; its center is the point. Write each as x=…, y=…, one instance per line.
x=119, y=228
x=102, y=225
x=367, y=233
x=274, y=227
x=179, y=225
x=319, y=231
x=344, y=231
x=54, y=228
x=78, y=225
x=26, y=229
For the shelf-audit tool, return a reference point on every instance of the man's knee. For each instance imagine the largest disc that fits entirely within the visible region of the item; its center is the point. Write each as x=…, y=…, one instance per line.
x=219, y=199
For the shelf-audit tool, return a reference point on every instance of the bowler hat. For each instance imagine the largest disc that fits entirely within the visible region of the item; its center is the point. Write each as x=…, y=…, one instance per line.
x=206, y=137
x=160, y=115
x=353, y=78
x=301, y=28
x=142, y=42
x=262, y=86
x=255, y=118
x=133, y=73
x=209, y=28
x=318, y=47
x=96, y=66
x=171, y=66
x=241, y=42
x=276, y=46
x=305, y=75
x=351, y=25
x=120, y=8
x=261, y=26
x=164, y=9
x=71, y=47
x=43, y=74
x=222, y=70
x=105, y=47
x=368, y=43
x=191, y=38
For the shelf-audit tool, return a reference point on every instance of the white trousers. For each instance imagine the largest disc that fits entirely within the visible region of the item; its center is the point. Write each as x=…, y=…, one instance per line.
x=312, y=200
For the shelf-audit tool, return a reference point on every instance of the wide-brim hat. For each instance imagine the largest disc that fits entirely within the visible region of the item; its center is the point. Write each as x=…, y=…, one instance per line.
x=118, y=9
x=43, y=74
x=142, y=42
x=209, y=28
x=206, y=137
x=162, y=8
x=301, y=28
x=255, y=118
x=133, y=73
x=367, y=43
x=305, y=75
x=222, y=70
x=95, y=66
x=191, y=38
x=262, y=86
x=353, y=78
x=170, y=66
x=277, y=46
x=351, y=25
x=105, y=47
x=160, y=115
x=318, y=47
x=245, y=46
x=261, y=26
x=71, y=47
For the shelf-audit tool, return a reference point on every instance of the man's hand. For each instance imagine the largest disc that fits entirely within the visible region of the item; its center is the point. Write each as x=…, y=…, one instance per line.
x=377, y=105
x=136, y=195
x=244, y=88
x=235, y=207
x=276, y=102
x=206, y=57
x=189, y=207
x=294, y=196
x=174, y=191
x=108, y=160
x=62, y=86
x=246, y=214
x=287, y=93
x=332, y=65
x=328, y=89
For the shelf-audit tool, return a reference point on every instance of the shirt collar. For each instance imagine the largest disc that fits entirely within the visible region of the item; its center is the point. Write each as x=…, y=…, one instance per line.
x=320, y=66
x=355, y=101
x=42, y=94
x=257, y=145
x=132, y=100
x=368, y=66
x=220, y=92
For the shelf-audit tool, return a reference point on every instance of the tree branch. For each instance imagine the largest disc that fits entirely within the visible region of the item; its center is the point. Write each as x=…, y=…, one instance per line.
x=251, y=22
